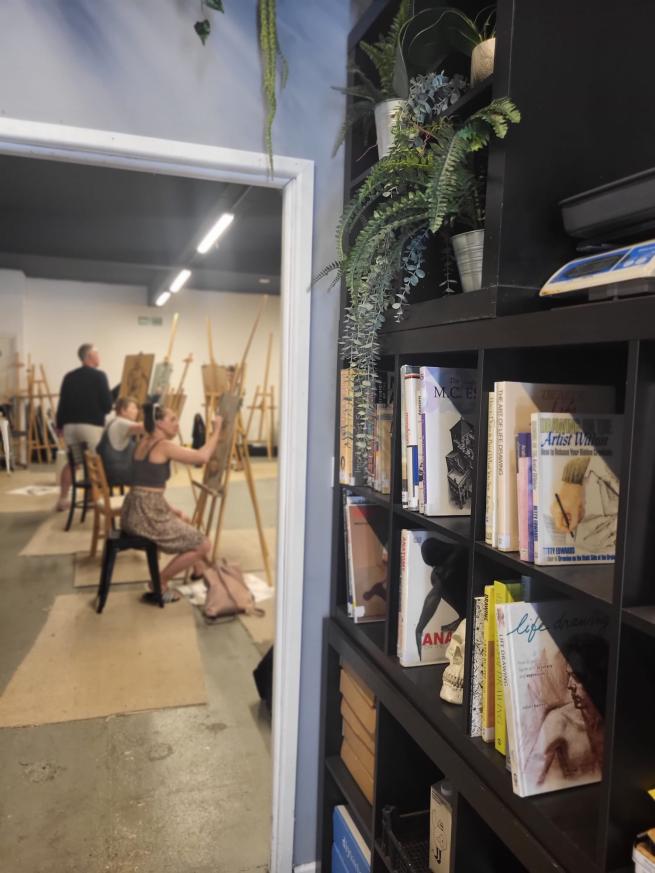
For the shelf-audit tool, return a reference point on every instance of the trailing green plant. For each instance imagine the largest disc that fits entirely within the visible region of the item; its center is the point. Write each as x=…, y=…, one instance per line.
x=274, y=63
x=366, y=92
x=427, y=183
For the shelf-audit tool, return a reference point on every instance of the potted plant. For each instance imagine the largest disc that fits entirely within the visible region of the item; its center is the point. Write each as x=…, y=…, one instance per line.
x=477, y=37
x=427, y=182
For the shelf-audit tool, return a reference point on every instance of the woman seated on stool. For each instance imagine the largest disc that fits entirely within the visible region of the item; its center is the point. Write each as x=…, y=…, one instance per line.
x=145, y=510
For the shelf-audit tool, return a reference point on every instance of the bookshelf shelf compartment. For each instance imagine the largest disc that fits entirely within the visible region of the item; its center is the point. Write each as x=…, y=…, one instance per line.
x=592, y=581
x=369, y=494
x=361, y=810
x=456, y=527
x=641, y=618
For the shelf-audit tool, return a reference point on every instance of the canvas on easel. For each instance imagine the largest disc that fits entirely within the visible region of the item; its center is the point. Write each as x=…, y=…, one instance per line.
x=164, y=369
x=135, y=380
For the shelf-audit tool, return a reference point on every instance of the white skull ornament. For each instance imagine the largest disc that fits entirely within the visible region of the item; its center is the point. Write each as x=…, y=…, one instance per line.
x=452, y=688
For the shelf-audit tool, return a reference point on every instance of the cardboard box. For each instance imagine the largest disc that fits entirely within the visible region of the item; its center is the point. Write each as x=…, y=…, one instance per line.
x=363, y=752
x=361, y=685
x=357, y=770
x=367, y=737
x=359, y=704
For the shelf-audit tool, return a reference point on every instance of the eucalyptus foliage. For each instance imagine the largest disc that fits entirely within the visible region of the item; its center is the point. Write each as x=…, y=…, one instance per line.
x=427, y=182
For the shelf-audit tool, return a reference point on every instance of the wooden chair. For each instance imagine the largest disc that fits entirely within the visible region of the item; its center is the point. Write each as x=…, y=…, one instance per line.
x=106, y=509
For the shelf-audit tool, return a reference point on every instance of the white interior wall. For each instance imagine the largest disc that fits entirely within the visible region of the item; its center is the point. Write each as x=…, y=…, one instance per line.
x=60, y=315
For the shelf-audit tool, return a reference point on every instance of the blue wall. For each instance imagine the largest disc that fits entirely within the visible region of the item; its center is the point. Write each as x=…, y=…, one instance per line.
x=136, y=66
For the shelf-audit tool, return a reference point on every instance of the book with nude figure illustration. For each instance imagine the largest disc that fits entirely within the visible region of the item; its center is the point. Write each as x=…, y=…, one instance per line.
x=553, y=659
x=575, y=486
x=366, y=560
x=426, y=620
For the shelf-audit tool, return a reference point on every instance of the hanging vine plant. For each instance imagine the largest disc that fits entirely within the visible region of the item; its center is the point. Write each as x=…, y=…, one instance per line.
x=427, y=182
x=273, y=61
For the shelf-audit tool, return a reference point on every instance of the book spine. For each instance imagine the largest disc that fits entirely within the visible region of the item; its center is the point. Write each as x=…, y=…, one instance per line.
x=500, y=734
x=488, y=676
x=349, y=843
x=403, y=439
x=490, y=506
x=422, y=470
x=510, y=712
x=522, y=469
x=348, y=553
x=504, y=477
x=411, y=400
x=404, y=595
x=346, y=440
x=530, y=504
x=476, y=671
x=534, y=432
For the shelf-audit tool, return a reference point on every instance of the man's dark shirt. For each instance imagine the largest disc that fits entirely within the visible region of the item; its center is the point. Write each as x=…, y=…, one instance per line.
x=84, y=397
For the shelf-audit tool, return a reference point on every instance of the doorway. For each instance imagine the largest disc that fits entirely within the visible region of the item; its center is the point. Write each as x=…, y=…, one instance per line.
x=295, y=179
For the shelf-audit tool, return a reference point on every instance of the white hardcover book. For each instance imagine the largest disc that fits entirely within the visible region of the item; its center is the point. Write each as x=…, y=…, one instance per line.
x=423, y=631
x=501, y=653
x=577, y=463
x=411, y=380
x=515, y=403
x=449, y=406
x=490, y=503
x=556, y=659
x=476, y=669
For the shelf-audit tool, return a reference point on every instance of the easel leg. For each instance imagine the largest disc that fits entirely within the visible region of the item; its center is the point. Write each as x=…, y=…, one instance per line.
x=255, y=505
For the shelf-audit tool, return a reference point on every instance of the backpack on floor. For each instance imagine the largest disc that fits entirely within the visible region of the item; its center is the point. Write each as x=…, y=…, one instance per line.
x=231, y=596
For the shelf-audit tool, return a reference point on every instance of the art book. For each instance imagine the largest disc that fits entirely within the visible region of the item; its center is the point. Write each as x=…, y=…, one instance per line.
x=426, y=620
x=346, y=419
x=554, y=658
x=448, y=408
x=350, y=844
x=575, y=477
x=367, y=560
x=410, y=379
x=476, y=669
x=515, y=403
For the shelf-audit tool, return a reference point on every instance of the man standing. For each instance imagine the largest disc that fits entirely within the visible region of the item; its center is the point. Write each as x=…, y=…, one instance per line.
x=84, y=401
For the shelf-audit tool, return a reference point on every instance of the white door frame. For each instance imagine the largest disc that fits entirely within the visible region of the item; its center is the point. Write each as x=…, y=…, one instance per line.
x=296, y=178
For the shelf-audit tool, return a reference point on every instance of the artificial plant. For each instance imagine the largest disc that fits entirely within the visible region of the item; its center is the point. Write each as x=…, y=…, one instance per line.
x=273, y=61
x=428, y=180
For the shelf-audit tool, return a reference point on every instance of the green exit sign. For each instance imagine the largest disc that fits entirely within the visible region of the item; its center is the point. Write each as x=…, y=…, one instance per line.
x=155, y=320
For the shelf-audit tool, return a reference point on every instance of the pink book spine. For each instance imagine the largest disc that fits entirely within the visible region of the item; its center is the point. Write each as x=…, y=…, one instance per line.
x=522, y=490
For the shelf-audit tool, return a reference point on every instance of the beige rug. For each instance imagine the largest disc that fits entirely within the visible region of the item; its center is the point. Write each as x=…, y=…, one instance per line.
x=24, y=502
x=129, y=567
x=242, y=545
x=133, y=657
x=50, y=538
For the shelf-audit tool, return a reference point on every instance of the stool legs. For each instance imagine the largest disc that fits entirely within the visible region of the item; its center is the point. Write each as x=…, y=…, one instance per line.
x=153, y=566
x=108, y=561
x=71, y=511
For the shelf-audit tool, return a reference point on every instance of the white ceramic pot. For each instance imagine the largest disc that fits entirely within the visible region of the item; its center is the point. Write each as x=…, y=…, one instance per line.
x=385, y=117
x=482, y=60
x=468, y=248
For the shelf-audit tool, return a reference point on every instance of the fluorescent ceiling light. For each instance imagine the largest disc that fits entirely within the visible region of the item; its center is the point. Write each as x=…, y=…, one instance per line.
x=220, y=227
x=163, y=298
x=181, y=279
x=264, y=281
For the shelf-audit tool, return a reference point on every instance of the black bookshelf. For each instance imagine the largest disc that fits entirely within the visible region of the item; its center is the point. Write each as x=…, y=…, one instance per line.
x=563, y=145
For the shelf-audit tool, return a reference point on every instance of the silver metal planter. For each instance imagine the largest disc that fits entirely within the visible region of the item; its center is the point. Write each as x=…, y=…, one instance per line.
x=468, y=248
x=385, y=118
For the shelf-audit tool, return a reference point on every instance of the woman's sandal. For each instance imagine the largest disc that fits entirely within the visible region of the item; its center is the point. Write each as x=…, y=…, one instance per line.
x=168, y=596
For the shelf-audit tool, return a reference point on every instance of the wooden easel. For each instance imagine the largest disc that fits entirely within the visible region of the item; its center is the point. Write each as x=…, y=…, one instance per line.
x=40, y=416
x=163, y=371
x=264, y=404
x=175, y=400
x=216, y=482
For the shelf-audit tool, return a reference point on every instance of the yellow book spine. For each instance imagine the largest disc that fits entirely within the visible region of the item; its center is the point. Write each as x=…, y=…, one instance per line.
x=504, y=592
x=488, y=669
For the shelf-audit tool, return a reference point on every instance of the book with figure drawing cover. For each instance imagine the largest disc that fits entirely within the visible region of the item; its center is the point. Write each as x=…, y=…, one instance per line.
x=554, y=666
x=575, y=467
x=367, y=560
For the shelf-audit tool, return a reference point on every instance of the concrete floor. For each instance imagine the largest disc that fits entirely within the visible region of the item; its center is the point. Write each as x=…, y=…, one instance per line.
x=172, y=791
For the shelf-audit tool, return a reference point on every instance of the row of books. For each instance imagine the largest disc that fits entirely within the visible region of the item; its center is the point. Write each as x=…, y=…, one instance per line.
x=438, y=412
x=377, y=474
x=553, y=454
x=538, y=683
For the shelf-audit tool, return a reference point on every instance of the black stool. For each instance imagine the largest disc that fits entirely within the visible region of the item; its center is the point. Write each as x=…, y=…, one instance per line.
x=115, y=542
x=77, y=464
